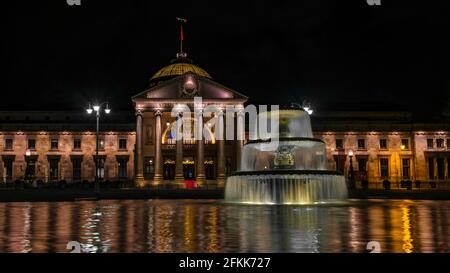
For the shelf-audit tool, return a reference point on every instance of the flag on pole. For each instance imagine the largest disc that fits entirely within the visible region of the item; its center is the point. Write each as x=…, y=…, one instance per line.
x=181, y=33
x=182, y=21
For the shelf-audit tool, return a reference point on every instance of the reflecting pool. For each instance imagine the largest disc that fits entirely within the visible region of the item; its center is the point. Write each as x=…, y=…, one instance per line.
x=213, y=226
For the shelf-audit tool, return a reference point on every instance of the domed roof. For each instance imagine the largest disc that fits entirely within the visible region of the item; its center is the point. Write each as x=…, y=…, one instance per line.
x=179, y=66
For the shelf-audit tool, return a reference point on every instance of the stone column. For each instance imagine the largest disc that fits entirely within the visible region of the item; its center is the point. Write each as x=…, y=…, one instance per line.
x=139, y=178
x=179, y=175
x=200, y=150
x=220, y=143
x=240, y=135
x=157, y=179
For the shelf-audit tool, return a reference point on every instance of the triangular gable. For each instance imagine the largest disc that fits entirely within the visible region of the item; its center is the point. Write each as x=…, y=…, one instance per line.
x=173, y=89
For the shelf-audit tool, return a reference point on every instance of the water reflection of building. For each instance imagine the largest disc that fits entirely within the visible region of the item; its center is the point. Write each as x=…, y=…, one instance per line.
x=160, y=226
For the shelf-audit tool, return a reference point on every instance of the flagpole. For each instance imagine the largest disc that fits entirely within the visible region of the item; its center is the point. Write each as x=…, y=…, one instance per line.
x=181, y=38
x=182, y=21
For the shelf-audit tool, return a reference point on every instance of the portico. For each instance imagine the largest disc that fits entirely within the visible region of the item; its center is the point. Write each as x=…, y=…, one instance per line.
x=177, y=140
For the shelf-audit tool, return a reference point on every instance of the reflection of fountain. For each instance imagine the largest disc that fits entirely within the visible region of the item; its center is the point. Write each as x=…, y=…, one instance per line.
x=285, y=167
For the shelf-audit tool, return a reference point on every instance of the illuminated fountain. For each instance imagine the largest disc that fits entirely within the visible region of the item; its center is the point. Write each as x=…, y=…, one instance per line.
x=285, y=167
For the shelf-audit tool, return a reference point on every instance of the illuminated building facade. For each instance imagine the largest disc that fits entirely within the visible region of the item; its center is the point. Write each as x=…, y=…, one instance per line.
x=55, y=146
x=159, y=155
x=141, y=147
x=387, y=146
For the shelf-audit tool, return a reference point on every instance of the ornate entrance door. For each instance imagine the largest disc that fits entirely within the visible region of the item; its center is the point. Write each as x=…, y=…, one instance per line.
x=189, y=168
x=210, y=168
x=169, y=169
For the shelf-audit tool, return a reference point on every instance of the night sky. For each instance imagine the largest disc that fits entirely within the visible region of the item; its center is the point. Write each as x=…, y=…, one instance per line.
x=338, y=55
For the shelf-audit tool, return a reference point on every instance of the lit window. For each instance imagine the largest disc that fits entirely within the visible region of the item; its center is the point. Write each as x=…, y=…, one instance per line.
x=54, y=144
x=448, y=147
x=430, y=143
x=383, y=143
x=440, y=143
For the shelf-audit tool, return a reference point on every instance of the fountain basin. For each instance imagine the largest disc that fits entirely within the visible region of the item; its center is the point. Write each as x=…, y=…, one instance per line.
x=286, y=187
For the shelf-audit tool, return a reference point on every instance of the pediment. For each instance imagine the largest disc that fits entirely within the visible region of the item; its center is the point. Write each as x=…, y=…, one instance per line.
x=189, y=85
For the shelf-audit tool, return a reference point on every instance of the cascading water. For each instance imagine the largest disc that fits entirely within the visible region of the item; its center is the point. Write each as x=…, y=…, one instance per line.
x=286, y=166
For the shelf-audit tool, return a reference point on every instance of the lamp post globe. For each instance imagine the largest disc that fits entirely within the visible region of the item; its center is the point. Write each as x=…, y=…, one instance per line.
x=352, y=181
x=97, y=109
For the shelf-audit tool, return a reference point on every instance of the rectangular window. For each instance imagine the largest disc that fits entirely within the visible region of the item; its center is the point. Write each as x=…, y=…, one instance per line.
x=448, y=167
x=430, y=144
x=54, y=144
x=406, y=168
x=448, y=145
x=54, y=169
x=122, y=168
x=8, y=164
x=361, y=144
x=339, y=143
x=362, y=164
x=383, y=143
x=8, y=144
x=340, y=163
x=101, y=168
x=101, y=143
x=384, y=167
x=440, y=167
x=228, y=164
x=77, y=143
x=431, y=168
x=76, y=167
x=30, y=170
x=32, y=144
x=440, y=143
x=405, y=144
x=122, y=144
x=149, y=167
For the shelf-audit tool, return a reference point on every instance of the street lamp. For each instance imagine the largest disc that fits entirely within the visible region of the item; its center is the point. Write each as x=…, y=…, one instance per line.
x=351, y=175
x=97, y=109
x=308, y=110
x=27, y=160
